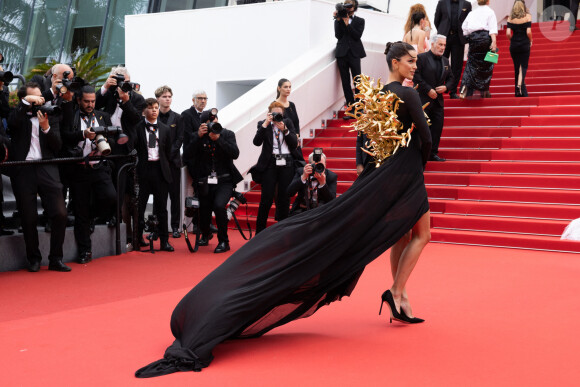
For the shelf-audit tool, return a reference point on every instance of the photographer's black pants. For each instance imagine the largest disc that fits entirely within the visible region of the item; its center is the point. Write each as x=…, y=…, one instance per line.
x=274, y=175
x=153, y=182
x=42, y=180
x=216, y=199
x=174, y=197
x=435, y=113
x=86, y=183
x=347, y=63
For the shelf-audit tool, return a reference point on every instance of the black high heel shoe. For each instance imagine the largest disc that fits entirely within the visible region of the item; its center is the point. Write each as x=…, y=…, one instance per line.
x=410, y=320
x=518, y=91
x=387, y=297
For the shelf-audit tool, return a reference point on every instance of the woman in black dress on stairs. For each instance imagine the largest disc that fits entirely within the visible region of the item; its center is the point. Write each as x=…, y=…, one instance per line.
x=519, y=32
x=302, y=263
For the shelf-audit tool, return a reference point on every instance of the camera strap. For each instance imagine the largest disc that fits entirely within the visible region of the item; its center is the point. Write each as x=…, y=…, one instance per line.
x=277, y=134
x=240, y=228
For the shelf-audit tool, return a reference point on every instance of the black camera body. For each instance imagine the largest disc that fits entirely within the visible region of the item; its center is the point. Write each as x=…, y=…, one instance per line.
x=277, y=117
x=126, y=86
x=317, y=166
x=50, y=110
x=207, y=117
x=66, y=84
x=191, y=206
x=342, y=10
x=6, y=76
x=105, y=132
x=238, y=198
x=152, y=224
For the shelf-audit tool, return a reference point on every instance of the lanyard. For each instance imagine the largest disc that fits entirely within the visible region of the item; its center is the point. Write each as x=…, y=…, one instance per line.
x=277, y=134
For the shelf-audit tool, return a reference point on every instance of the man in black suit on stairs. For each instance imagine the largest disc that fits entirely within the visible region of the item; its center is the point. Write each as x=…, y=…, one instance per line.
x=151, y=139
x=349, y=48
x=449, y=17
x=434, y=78
x=36, y=136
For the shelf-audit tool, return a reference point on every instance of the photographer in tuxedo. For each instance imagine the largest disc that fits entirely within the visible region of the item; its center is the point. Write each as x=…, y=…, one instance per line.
x=90, y=182
x=212, y=151
x=36, y=136
x=151, y=139
x=449, y=17
x=164, y=96
x=314, y=184
x=434, y=78
x=348, y=30
x=190, y=124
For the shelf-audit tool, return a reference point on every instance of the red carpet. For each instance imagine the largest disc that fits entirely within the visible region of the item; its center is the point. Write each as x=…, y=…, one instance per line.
x=493, y=317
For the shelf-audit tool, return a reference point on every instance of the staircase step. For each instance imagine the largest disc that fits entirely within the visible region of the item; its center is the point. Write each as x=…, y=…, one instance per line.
x=506, y=167
x=499, y=194
x=571, y=143
x=521, y=241
x=509, y=181
x=507, y=155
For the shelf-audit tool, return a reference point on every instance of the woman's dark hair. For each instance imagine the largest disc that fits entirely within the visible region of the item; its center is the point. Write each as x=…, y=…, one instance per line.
x=416, y=17
x=397, y=50
x=280, y=83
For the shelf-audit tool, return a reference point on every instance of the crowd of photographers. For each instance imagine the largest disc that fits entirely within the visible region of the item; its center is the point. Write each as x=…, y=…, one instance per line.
x=60, y=116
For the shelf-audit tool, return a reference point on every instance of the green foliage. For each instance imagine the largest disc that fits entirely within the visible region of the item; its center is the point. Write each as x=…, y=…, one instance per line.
x=13, y=99
x=88, y=66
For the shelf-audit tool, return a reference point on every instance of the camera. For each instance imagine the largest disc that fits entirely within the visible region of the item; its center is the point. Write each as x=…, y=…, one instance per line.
x=342, y=10
x=6, y=76
x=152, y=225
x=126, y=86
x=45, y=109
x=104, y=132
x=211, y=115
x=191, y=205
x=277, y=117
x=66, y=84
x=317, y=166
x=238, y=198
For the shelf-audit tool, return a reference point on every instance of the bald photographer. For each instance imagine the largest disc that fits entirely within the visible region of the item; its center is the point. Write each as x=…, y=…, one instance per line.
x=314, y=184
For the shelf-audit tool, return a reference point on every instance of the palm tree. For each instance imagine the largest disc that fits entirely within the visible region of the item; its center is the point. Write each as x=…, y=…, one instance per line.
x=87, y=65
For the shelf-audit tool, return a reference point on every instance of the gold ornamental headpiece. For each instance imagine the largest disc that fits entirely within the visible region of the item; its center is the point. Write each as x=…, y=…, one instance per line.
x=376, y=117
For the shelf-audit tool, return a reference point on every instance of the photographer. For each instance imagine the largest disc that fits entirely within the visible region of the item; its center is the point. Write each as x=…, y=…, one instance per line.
x=90, y=182
x=152, y=141
x=314, y=184
x=212, y=152
x=4, y=141
x=190, y=125
x=348, y=29
x=164, y=96
x=35, y=135
x=275, y=165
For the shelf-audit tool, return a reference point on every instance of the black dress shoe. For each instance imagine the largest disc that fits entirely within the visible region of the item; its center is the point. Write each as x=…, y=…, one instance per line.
x=436, y=158
x=176, y=233
x=165, y=246
x=222, y=247
x=58, y=266
x=85, y=257
x=453, y=96
x=34, y=266
x=204, y=240
x=213, y=229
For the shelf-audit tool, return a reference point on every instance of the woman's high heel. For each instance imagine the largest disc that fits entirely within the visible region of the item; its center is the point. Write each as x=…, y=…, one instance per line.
x=518, y=91
x=387, y=297
x=410, y=320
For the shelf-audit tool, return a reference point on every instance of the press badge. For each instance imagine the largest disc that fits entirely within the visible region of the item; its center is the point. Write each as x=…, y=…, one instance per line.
x=212, y=179
x=280, y=161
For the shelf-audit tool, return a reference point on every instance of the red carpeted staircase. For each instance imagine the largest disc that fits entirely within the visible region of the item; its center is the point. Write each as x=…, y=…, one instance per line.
x=512, y=175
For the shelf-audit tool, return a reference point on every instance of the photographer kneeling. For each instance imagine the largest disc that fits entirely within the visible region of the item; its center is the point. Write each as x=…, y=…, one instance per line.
x=314, y=184
x=213, y=151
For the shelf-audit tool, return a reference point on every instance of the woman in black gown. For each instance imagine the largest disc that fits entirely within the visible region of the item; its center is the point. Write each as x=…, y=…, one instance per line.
x=300, y=264
x=519, y=32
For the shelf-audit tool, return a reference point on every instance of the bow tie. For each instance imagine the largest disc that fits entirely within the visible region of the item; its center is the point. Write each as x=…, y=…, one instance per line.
x=151, y=127
x=85, y=115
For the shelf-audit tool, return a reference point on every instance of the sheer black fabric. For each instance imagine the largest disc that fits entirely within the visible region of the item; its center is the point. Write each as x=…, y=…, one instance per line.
x=300, y=264
x=478, y=72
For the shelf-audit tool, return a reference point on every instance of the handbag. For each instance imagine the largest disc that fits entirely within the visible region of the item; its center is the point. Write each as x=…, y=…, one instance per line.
x=491, y=57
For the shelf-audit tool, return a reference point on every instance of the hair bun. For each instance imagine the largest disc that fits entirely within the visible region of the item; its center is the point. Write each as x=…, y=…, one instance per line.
x=389, y=45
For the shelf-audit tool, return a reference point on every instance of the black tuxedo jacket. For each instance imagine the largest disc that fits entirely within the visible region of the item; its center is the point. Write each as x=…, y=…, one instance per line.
x=349, y=37
x=20, y=132
x=138, y=140
x=176, y=138
x=132, y=109
x=71, y=132
x=427, y=79
x=189, y=124
x=325, y=194
x=228, y=147
x=443, y=17
x=265, y=138
x=4, y=105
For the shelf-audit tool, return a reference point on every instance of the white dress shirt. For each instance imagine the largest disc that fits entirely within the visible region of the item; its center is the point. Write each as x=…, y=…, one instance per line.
x=481, y=18
x=34, y=153
x=284, y=147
